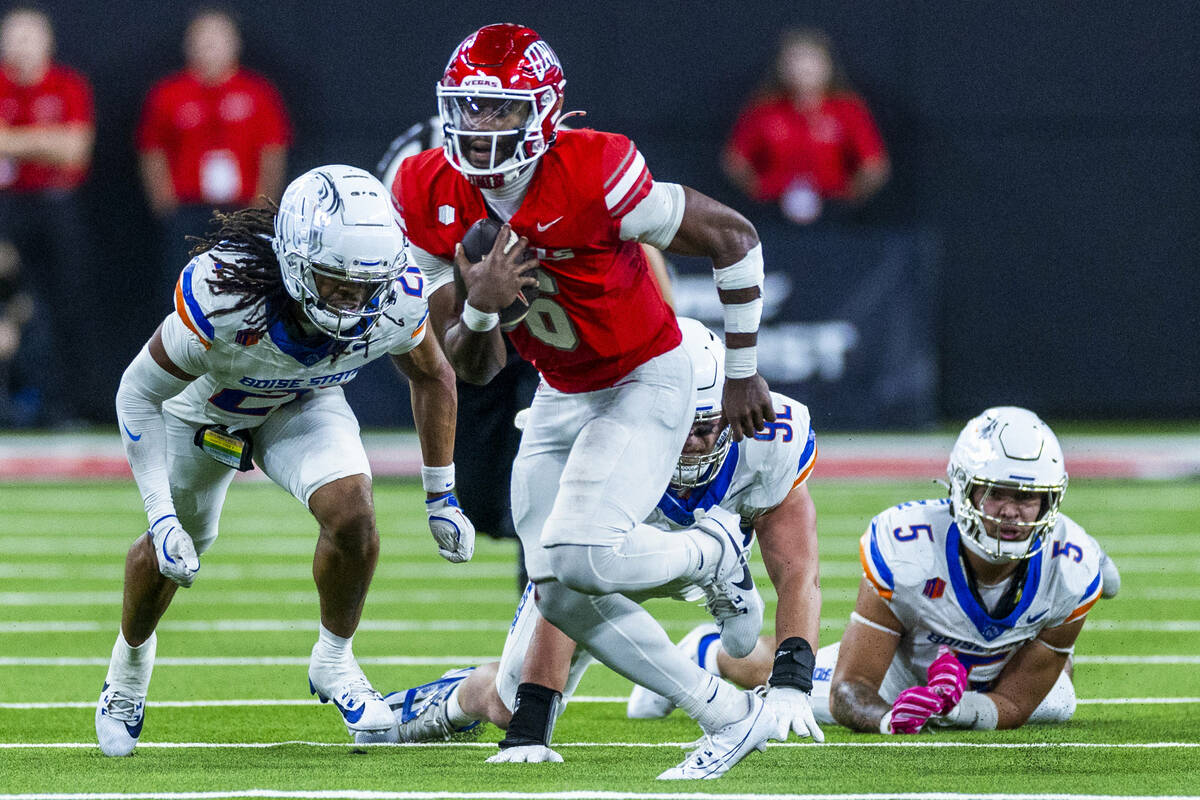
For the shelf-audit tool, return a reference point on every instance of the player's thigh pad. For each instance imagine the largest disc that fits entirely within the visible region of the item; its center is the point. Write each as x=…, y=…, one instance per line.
x=622, y=458
x=310, y=442
x=198, y=483
x=822, y=679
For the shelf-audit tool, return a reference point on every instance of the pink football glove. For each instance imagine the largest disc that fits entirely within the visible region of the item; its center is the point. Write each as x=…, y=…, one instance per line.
x=948, y=678
x=913, y=708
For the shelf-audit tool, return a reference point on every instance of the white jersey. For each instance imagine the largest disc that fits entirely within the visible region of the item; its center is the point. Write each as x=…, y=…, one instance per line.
x=911, y=555
x=244, y=376
x=757, y=474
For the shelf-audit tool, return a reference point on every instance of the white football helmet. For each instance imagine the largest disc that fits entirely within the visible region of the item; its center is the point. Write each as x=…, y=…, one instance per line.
x=337, y=224
x=1012, y=448
x=708, y=361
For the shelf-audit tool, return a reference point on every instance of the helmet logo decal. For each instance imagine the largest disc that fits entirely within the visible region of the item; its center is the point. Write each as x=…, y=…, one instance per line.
x=540, y=59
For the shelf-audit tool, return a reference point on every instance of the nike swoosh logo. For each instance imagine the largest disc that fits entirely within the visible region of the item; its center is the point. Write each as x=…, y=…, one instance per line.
x=135, y=731
x=543, y=228
x=1035, y=617
x=129, y=433
x=351, y=716
x=746, y=581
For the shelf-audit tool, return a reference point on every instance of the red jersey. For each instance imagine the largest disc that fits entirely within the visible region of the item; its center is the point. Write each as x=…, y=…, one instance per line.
x=213, y=136
x=62, y=97
x=599, y=314
x=824, y=146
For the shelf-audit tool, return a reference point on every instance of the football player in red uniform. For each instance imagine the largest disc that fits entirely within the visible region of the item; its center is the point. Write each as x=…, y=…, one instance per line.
x=616, y=400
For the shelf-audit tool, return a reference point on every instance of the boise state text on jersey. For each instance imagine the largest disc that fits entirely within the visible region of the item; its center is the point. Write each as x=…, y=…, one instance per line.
x=243, y=378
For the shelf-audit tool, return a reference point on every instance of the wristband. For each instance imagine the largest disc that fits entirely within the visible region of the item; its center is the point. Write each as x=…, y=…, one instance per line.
x=535, y=711
x=741, y=362
x=975, y=711
x=479, y=321
x=794, y=662
x=435, y=480
x=742, y=317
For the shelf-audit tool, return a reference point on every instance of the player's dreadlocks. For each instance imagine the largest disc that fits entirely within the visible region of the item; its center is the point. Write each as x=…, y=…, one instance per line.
x=255, y=275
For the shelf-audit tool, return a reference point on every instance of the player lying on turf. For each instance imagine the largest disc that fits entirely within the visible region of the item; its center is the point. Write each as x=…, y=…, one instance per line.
x=271, y=319
x=970, y=605
x=759, y=483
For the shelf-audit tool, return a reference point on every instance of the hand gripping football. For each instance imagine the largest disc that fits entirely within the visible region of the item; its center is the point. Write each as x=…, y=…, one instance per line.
x=477, y=242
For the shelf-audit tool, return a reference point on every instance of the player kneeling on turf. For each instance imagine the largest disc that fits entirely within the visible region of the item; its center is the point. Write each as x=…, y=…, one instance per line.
x=274, y=314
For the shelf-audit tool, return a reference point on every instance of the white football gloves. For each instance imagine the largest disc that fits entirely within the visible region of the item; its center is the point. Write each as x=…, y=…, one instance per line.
x=526, y=754
x=791, y=708
x=174, y=550
x=453, y=532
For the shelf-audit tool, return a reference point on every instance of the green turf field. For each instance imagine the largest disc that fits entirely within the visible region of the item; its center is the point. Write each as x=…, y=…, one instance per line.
x=242, y=636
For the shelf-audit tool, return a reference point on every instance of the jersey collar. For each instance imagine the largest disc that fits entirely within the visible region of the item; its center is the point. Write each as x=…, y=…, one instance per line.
x=682, y=511
x=988, y=627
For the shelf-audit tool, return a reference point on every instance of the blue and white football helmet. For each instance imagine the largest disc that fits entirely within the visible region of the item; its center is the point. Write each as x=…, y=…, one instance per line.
x=337, y=224
x=708, y=361
x=1012, y=448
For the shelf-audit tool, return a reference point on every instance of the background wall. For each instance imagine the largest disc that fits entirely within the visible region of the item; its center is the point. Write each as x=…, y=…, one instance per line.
x=1051, y=149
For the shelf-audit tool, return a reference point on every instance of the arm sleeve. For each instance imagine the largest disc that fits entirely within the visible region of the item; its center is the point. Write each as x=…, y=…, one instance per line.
x=437, y=271
x=144, y=386
x=655, y=220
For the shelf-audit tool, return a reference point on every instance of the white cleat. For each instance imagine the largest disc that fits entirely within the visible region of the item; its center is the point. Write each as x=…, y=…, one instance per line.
x=421, y=713
x=119, y=717
x=368, y=718
x=724, y=747
x=733, y=600
x=645, y=704
x=1110, y=578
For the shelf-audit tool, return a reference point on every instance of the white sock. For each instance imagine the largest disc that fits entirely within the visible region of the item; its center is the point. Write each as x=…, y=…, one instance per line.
x=454, y=712
x=716, y=704
x=130, y=667
x=332, y=649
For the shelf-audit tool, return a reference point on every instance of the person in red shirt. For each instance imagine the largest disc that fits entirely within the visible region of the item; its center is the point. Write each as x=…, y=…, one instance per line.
x=807, y=140
x=214, y=135
x=46, y=132
x=616, y=399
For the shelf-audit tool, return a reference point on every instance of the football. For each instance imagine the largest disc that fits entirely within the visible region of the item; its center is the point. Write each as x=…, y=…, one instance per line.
x=477, y=242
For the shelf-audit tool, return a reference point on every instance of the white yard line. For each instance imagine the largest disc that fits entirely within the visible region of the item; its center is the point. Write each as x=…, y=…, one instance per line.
x=630, y=745
x=291, y=661
x=258, y=626
x=361, y=794
x=583, y=699
x=455, y=625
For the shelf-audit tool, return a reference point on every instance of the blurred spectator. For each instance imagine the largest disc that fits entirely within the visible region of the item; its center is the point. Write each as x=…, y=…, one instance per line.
x=214, y=135
x=807, y=140
x=46, y=133
x=21, y=354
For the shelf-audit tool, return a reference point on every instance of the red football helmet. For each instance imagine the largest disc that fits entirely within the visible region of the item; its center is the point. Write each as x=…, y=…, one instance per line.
x=500, y=100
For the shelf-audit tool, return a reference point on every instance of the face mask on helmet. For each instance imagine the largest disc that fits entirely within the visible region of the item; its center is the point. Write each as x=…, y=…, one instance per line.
x=1007, y=481
x=499, y=100
x=708, y=443
x=340, y=248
